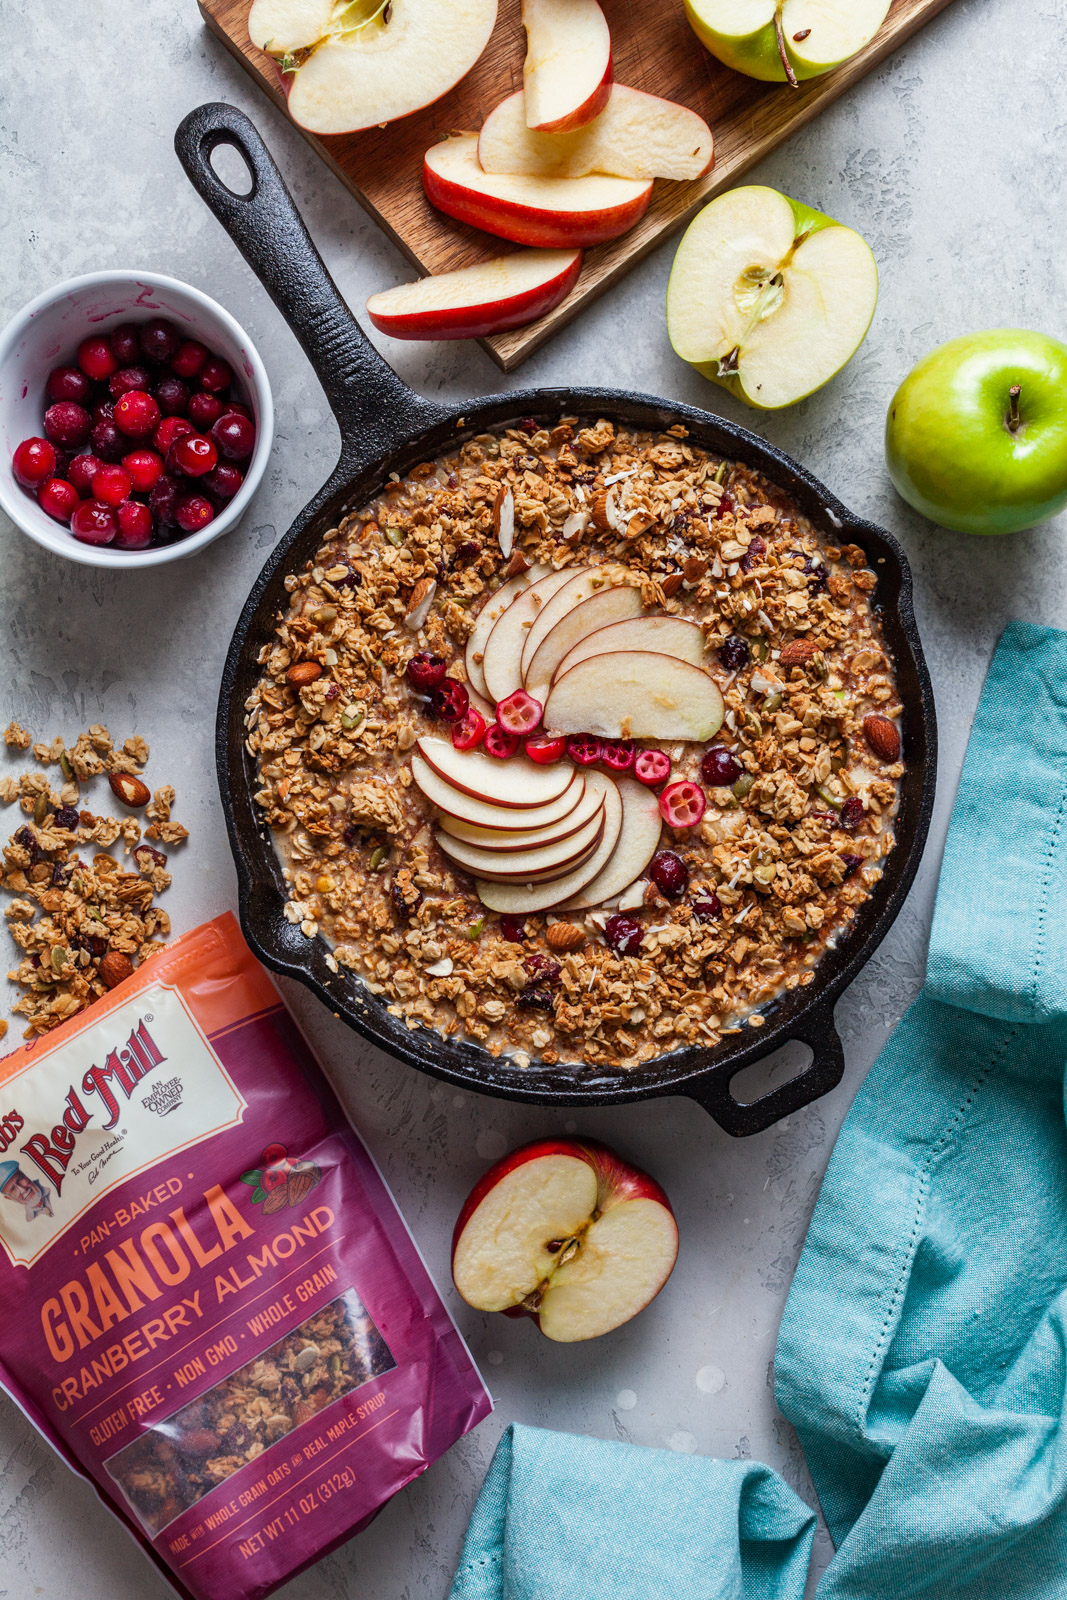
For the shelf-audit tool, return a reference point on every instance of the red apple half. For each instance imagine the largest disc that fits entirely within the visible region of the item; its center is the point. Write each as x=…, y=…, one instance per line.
x=553, y=213
x=637, y=135
x=569, y=1232
x=475, y=301
x=567, y=72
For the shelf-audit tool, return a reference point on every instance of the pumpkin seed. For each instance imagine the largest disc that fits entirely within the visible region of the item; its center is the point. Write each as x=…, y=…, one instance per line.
x=743, y=785
x=475, y=929
x=394, y=536
x=59, y=957
x=766, y=872
x=753, y=724
x=352, y=716
x=66, y=768
x=41, y=809
x=760, y=649
x=772, y=703
x=377, y=857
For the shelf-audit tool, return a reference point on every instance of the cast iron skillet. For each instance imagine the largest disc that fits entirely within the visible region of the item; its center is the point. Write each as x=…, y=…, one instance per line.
x=386, y=427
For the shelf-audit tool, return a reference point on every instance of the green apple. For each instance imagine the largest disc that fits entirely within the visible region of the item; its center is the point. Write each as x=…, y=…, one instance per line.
x=976, y=436
x=785, y=40
x=769, y=298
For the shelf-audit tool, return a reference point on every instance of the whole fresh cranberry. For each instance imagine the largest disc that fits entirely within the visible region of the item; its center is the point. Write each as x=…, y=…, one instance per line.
x=513, y=929
x=67, y=424
x=111, y=484
x=94, y=523
x=193, y=512
x=82, y=470
x=235, y=436
x=124, y=343
x=424, y=672
x=159, y=340
x=542, y=969
x=224, y=481
x=450, y=700
x=188, y=359
x=171, y=396
x=193, y=455
x=238, y=409
x=96, y=358
x=708, y=908
x=215, y=375
x=169, y=429
x=107, y=442
x=163, y=499
x=733, y=654
x=623, y=934
x=669, y=873
x=852, y=814
x=127, y=378
x=136, y=414
x=135, y=526
x=546, y=748
x=68, y=383
x=720, y=767
x=145, y=468
x=205, y=410
x=535, y=999
x=34, y=462
x=58, y=498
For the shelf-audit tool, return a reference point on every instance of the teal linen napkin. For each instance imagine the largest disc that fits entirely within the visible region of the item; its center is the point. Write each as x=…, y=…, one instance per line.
x=922, y=1357
x=567, y=1518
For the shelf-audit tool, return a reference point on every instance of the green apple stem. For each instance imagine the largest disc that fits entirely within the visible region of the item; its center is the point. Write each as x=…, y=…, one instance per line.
x=790, y=75
x=1013, y=418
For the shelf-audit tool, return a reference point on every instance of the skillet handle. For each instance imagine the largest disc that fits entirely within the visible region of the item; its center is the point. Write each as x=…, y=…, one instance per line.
x=374, y=408
x=825, y=1072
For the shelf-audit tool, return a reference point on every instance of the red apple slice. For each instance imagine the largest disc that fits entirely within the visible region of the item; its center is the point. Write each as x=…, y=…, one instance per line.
x=569, y=1232
x=476, y=301
x=590, y=615
x=555, y=213
x=637, y=844
x=455, y=803
x=635, y=694
x=637, y=135
x=665, y=636
x=502, y=654
x=366, y=65
x=535, y=861
x=494, y=607
x=518, y=783
x=521, y=899
x=567, y=72
x=505, y=840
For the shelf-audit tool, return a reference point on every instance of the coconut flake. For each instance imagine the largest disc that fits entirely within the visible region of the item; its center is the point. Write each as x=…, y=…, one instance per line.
x=834, y=518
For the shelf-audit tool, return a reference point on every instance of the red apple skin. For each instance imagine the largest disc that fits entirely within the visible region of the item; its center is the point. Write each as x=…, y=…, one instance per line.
x=479, y=321
x=590, y=108
x=523, y=225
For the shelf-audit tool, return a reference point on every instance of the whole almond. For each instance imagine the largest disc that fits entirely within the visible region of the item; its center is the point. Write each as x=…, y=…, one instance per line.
x=694, y=569
x=115, y=967
x=301, y=673
x=564, y=936
x=882, y=736
x=671, y=584
x=797, y=652
x=130, y=790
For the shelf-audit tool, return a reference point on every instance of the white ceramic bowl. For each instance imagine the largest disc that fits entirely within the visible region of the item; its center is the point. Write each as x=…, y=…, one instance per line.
x=48, y=331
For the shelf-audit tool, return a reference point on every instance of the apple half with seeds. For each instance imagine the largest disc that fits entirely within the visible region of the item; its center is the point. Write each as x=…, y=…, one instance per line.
x=473, y=302
x=353, y=64
x=783, y=41
x=637, y=135
x=567, y=1232
x=567, y=72
x=768, y=298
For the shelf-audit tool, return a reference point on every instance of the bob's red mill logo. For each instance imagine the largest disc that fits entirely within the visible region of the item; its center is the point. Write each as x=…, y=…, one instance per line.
x=101, y=1096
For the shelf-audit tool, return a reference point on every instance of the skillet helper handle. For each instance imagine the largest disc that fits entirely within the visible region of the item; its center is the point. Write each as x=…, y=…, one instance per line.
x=827, y=1067
x=370, y=402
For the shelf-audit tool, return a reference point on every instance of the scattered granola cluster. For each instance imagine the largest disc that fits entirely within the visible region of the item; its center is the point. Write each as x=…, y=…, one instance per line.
x=788, y=847
x=97, y=921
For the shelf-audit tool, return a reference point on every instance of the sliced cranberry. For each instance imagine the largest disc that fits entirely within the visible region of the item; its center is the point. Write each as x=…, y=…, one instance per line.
x=583, y=749
x=513, y=929
x=535, y=999
x=124, y=343
x=623, y=934
x=234, y=436
x=850, y=864
x=724, y=507
x=163, y=499
x=499, y=742
x=546, y=748
x=96, y=358
x=193, y=512
x=652, y=767
x=542, y=969
x=170, y=429
x=145, y=468
x=82, y=470
x=852, y=814
x=733, y=654
x=136, y=414
x=205, y=410
x=520, y=713
x=136, y=526
x=127, y=378
x=188, y=359
x=107, y=442
x=450, y=700
x=93, y=522
x=618, y=755
x=171, y=396
x=67, y=423
x=215, y=375
x=58, y=498
x=68, y=383
x=159, y=340
x=469, y=731
x=708, y=908
x=756, y=549
x=193, y=455
x=669, y=873
x=34, y=462
x=682, y=804
x=424, y=671
x=720, y=767
x=112, y=484
x=224, y=481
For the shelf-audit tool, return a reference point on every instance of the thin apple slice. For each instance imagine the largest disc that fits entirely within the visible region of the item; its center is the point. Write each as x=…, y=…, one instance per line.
x=587, y=581
x=637, y=135
x=455, y=803
x=534, y=880
x=474, y=302
x=635, y=694
x=637, y=844
x=505, y=840
x=519, y=783
x=567, y=72
x=502, y=653
x=626, y=1257
x=521, y=899
x=493, y=608
x=536, y=860
x=553, y=213
x=590, y=615
x=368, y=65
x=665, y=636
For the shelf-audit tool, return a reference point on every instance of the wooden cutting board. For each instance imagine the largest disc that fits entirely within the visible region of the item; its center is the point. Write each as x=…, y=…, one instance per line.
x=654, y=49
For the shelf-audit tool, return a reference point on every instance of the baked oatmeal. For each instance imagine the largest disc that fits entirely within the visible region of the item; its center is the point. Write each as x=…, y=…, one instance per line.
x=761, y=836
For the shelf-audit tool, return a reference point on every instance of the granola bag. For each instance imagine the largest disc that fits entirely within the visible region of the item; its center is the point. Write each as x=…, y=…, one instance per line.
x=223, y=1320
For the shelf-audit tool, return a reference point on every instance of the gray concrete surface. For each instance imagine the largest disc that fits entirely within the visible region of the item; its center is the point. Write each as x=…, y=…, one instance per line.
x=945, y=160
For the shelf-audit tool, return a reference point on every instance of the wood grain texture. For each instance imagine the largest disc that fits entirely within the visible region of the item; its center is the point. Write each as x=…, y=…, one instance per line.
x=654, y=49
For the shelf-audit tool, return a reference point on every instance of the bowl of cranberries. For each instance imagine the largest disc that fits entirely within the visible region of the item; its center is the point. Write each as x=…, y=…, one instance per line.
x=136, y=420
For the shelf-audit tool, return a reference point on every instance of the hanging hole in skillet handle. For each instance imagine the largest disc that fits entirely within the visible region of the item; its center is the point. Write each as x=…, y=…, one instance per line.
x=743, y=1117
x=232, y=170
x=373, y=407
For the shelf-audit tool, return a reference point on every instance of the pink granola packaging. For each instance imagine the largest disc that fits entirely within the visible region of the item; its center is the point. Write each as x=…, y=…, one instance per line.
x=224, y=1322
